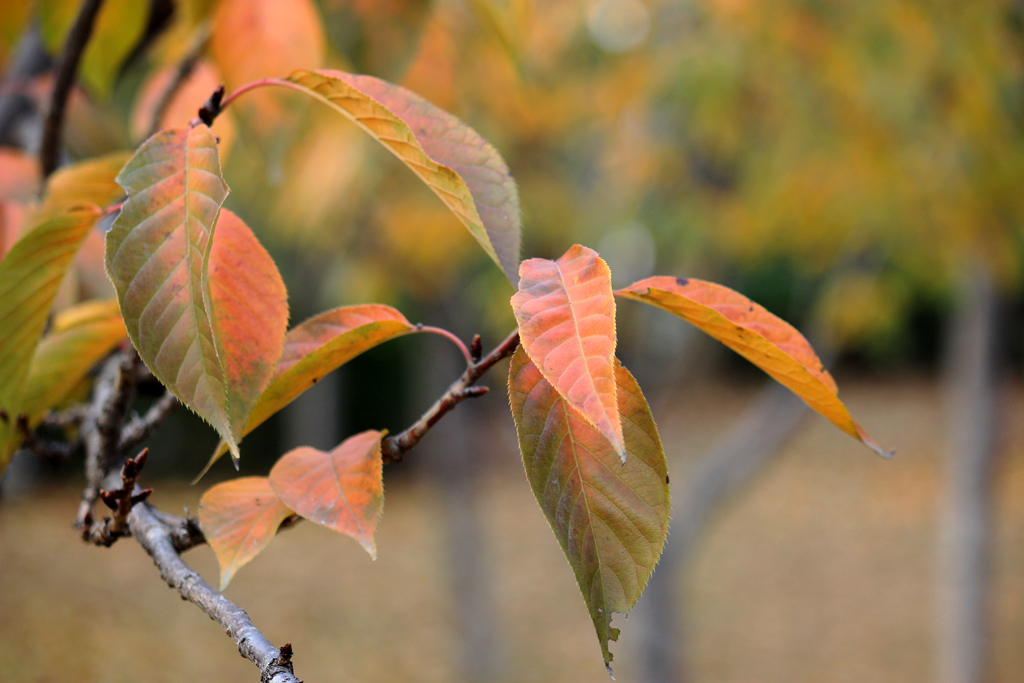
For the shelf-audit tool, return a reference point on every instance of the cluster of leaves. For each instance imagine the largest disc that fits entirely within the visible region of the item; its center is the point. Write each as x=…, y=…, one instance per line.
x=204, y=305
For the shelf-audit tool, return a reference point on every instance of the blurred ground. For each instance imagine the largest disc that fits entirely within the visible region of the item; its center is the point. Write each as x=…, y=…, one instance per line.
x=822, y=571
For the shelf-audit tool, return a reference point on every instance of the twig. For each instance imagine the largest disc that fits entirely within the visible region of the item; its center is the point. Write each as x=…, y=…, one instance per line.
x=393, y=448
x=140, y=428
x=67, y=68
x=275, y=665
x=121, y=501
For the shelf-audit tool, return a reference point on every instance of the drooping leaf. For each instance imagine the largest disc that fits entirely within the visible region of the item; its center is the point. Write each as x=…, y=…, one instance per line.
x=765, y=340
x=610, y=517
x=206, y=311
x=239, y=518
x=93, y=181
x=316, y=348
x=461, y=168
x=80, y=337
x=117, y=29
x=342, y=490
x=30, y=275
x=566, y=315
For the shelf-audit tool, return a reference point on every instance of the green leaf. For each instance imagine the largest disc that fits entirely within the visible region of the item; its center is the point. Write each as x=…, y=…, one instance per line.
x=118, y=27
x=92, y=180
x=80, y=337
x=610, y=517
x=206, y=312
x=317, y=347
x=461, y=168
x=30, y=275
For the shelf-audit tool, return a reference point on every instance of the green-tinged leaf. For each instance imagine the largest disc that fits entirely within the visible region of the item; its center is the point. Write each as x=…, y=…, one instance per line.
x=207, y=311
x=343, y=489
x=93, y=181
x=462, y=168
x=118, y=27
x=610, y=517
x=317, y=347
x=765, y=340
x=239, y=518
x=79, y=338
x=566, y=315
x=30, y=275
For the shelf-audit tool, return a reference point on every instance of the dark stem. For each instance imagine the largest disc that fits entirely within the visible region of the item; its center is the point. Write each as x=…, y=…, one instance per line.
x=140, y=428
x=67, y=69
x=393, y=448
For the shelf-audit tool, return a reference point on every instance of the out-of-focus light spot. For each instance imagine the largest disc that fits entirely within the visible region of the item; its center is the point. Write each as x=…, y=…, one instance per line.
x=629, y=252
x=618, y=25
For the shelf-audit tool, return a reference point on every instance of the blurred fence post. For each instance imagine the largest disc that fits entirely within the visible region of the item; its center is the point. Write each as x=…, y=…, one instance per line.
x=963, y=537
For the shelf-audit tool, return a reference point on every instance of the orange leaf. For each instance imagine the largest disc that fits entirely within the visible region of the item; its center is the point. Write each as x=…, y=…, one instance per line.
x=765, y=340
x=342, y=490
x=610, y=517
x=566, y=315
x=239, y=518
x=317, y=347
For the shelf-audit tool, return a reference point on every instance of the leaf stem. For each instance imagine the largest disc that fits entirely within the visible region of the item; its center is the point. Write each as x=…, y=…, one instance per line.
x=440, y=331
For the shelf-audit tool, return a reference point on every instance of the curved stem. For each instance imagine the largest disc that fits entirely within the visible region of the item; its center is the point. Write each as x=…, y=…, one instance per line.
x=259, y=84
x=440, y=331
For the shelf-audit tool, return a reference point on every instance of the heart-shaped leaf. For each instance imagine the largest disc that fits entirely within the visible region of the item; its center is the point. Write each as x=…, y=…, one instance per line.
x=610, y=517
x=316, y=348
x=764, y=339
x=30, y=274
x=207, y=312
x=566, y=315
x=462, y=168
x=239, y=518
x=79, y=338
x=342, y=490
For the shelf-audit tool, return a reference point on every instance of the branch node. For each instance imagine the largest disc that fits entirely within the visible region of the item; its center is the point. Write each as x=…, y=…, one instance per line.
x=211, y=110
x=476, y=348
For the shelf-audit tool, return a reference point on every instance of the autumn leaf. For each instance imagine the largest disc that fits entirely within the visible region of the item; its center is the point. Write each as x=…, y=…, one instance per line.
x=461, y=168
x=253, y=39
x=342, y=490
x=610, y=517
x=93, y=181
x=239, y=518
x=30, y=275
x=765, y=340
x=566, y=315
x=207, y=311
x=316, y=348
x=79, y=338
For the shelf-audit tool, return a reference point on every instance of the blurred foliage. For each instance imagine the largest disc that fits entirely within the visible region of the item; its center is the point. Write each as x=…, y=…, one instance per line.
x=837, y=161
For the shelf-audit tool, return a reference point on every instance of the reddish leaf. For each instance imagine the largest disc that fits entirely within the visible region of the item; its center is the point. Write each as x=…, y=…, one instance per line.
x=765, y=340
x=317, y=347
x=566, y=315
x=458, y=165
x=239, y=518
x=343, y=489
x=610, y=517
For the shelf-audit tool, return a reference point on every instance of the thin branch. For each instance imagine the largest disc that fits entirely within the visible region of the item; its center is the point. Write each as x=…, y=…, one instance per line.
x=67, y=69
x=393, y=448
x=275, y=665
x=121, y=501
x=140, y=428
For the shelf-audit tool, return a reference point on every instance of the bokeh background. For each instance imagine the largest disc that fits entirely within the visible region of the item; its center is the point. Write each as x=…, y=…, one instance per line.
x=856, y=167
